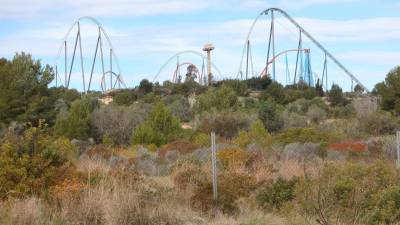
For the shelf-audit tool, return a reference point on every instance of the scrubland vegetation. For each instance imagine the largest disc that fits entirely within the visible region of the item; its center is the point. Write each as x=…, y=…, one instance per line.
x=288, y=155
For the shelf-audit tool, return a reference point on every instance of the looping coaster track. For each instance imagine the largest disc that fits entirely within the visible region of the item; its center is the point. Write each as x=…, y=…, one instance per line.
x=271, y=47
x=176, y=56
x=68, y=67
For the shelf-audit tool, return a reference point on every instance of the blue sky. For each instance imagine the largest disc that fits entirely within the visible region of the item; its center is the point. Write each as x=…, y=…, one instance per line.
x=363, y=34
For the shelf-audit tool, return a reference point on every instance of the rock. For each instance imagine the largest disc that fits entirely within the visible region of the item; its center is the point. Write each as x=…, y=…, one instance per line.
x=146, y=166
x=171, y=156
x=297, y=151
x=119, y=161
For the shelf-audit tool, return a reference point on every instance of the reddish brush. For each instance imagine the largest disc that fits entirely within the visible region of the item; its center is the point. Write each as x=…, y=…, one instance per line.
x=353, y=146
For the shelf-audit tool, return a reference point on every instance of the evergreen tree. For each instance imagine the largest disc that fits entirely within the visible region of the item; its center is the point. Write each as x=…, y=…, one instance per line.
x=77, y=122
x=160, y=128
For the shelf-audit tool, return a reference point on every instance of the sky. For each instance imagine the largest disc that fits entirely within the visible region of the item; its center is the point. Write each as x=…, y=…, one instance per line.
x=364, y=35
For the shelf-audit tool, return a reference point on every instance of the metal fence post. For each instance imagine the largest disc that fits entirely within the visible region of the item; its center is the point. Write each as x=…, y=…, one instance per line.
x=398, y=148
x=214, y=172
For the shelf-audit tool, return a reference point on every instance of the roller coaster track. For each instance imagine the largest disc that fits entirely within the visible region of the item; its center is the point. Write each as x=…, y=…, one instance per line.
x=270, y=11
x=99, y=45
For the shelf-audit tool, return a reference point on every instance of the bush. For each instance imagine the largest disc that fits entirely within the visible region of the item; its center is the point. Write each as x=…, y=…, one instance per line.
x=124, y=97
x=160, y=128
x=351, y=194
x=344, y=112
x=32, y=162
x=180, y=107
x=231, y=187
x=232, y=158
x=304, y=135
x=118, y=122
x=274, y=195
x=292, y=120
x=151, y=98
x=257, y=135
x=379, y=123
x=145, y=87
x=225, y=124
x=195, y=184
x=221, y=98
x=275, y=93
x=77, y=122
x=239, y=86
x=270, y=117
x=389, y=91
x=316, y=114
x=258, y=83
x=335, y=96
x=201, y=140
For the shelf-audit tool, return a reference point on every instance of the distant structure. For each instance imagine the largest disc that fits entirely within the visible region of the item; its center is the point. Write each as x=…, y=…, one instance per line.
x=65, y=62
x=302, y=67
x=208, y=48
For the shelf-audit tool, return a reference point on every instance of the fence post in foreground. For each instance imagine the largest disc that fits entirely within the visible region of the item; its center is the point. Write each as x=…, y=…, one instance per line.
x=398, y=148
x=214, y=172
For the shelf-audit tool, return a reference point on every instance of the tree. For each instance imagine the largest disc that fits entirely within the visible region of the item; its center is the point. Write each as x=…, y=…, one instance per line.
x=24, y=95
x=145, y=86
x=118, y=122
x=220, y=98
x=160, y=128
x=124, y=97
x=335, y=96
x=358, y=89
x=275, y=92
x=259, y=83
x=179, y=106
x=269, y=116
x=76, y=123
x=389, y=90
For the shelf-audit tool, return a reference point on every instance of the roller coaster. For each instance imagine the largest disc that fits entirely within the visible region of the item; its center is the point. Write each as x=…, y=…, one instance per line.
x=303, y=70
x=114, y=77
x=201, y=78
x=111, y=77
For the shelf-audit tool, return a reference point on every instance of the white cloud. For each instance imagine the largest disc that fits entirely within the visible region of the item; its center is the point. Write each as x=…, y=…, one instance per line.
x=27, y=9
x=371, y=57
x=45, y=9
x=300, y=4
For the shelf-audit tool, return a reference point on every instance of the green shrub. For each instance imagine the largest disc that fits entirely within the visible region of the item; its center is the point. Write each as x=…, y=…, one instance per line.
x=379, y=123
x=351, y=194
x=201, y=140
x=385, y=207
x=270, y=117
x=389, y=91
x=335, y=96
x=32, y=162
x=118, y=122
x=221, y=98
x=257, y=135
x=232, y=158
x=125, y=97
x=274, y=195
x=274, y=92
x=160, y=128
x=145, y=87
x=344, y=112
x=231, y=187
x=304, y=135
x=151, y=98
x=180, y=107
x=76, y=123
x=225, y=124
